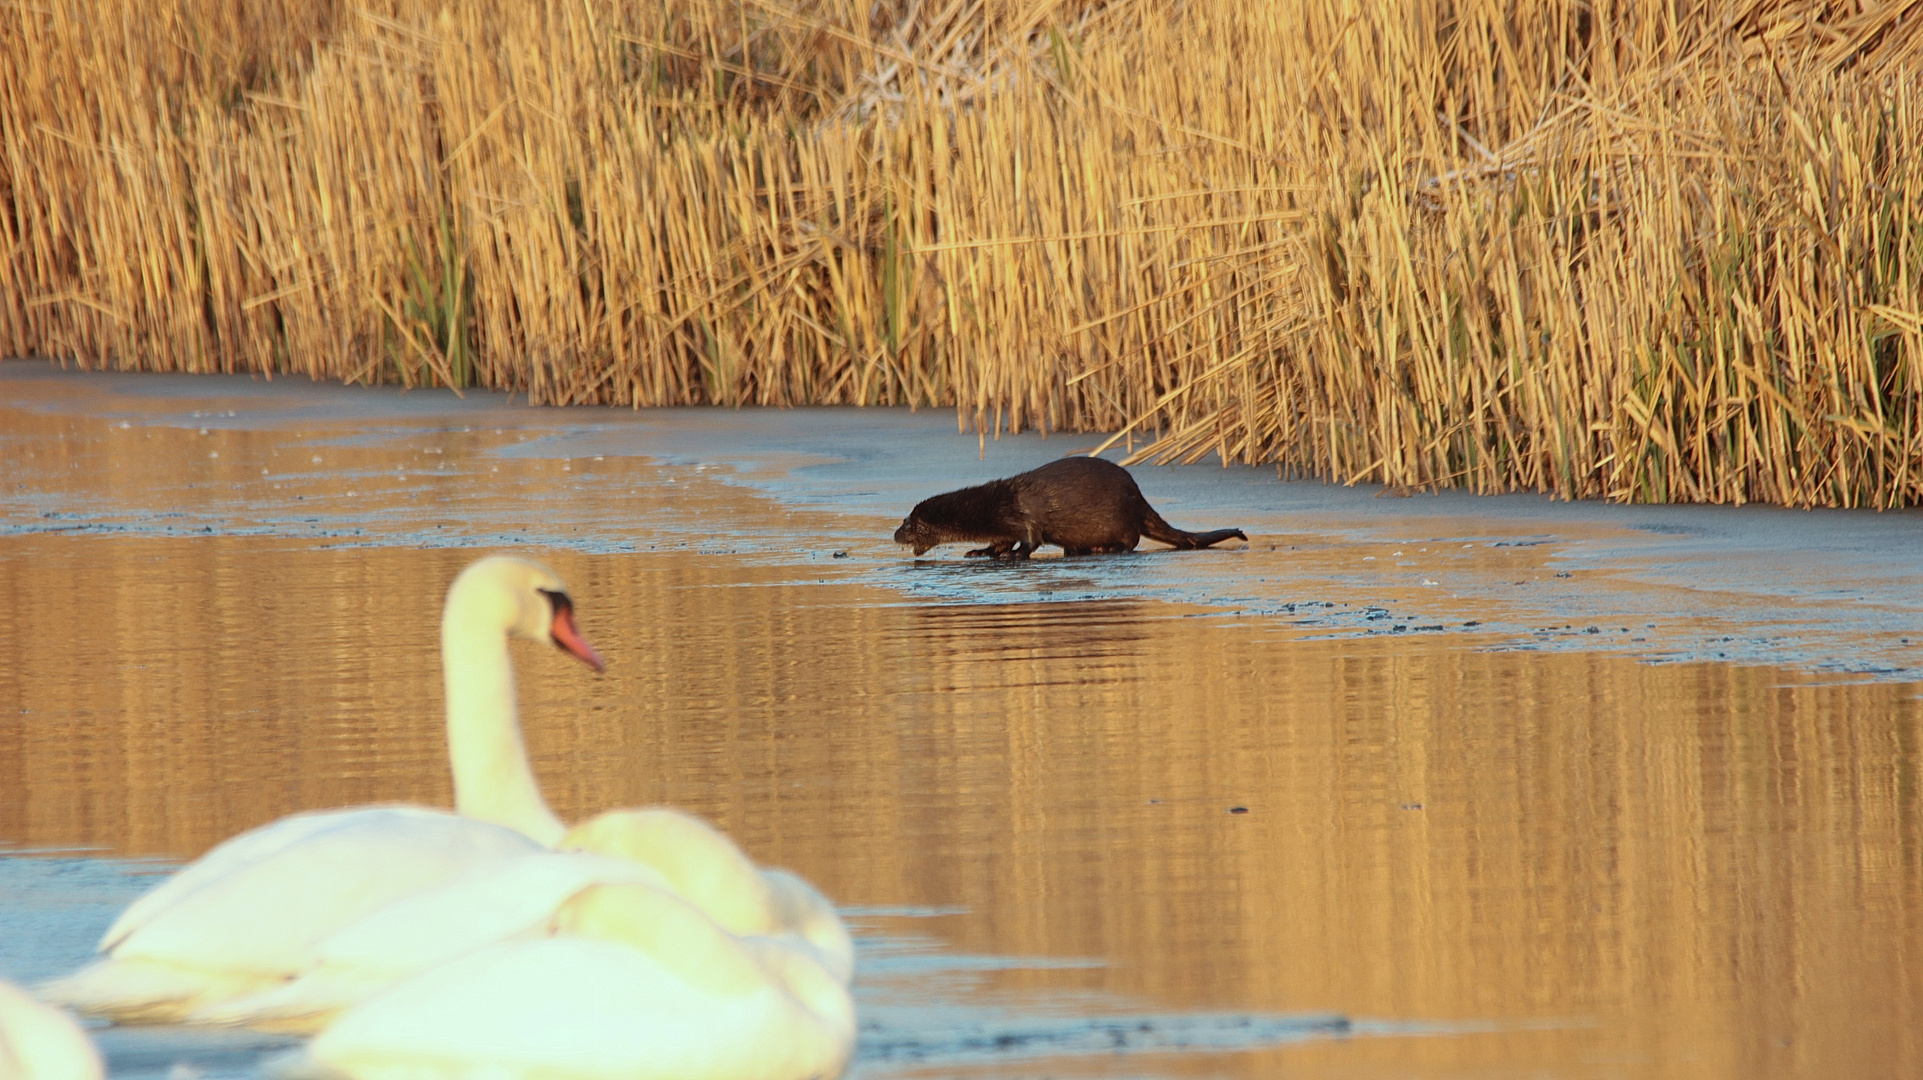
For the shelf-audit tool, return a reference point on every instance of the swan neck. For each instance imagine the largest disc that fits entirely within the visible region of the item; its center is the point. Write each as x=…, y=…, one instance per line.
x=492, y=778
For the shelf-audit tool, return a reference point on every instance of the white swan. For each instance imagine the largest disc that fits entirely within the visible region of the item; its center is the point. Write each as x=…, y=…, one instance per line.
x=247, y=915
x=285, y=925
x=39, y=1043
x=637, y=984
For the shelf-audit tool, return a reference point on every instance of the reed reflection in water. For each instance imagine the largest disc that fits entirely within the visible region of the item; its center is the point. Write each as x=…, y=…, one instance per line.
x=1589, y=866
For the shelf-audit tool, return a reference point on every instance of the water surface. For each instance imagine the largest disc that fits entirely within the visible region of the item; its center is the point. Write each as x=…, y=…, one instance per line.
x=1084, y=825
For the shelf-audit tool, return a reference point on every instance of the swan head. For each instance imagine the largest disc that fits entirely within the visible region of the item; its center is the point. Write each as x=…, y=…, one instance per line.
x=661, y=923
x=801, y=911
x=519, y=598
x=698, y=860
x=799, y=971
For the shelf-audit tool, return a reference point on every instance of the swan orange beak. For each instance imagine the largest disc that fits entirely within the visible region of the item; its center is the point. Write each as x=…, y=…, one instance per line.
x=567, y=637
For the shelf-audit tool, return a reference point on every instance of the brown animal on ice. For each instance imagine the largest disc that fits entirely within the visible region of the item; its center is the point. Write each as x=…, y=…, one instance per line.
x=1083, y=504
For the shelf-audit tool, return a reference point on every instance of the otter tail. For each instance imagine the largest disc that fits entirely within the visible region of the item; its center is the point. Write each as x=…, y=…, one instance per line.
x=1161, y=531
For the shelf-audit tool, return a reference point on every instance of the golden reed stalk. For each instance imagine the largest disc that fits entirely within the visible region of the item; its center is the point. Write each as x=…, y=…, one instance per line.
x=1625, y=250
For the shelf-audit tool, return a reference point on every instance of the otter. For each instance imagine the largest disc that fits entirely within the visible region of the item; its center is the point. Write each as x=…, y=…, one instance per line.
x=1083, y=504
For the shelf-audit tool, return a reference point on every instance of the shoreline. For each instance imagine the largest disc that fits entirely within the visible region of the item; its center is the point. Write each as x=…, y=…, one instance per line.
x=1835, y=593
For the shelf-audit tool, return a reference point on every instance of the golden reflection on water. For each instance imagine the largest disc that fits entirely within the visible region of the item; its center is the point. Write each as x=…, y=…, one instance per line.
x=1683, y=871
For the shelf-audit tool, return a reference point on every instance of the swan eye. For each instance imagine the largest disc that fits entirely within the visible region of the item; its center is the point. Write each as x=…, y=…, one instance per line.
x=558, y=601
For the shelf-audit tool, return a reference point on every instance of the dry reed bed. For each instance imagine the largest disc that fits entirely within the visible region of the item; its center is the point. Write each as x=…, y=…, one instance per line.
x=1610, y=250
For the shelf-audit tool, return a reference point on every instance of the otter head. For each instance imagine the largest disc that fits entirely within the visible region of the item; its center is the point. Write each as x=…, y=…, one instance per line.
x=917, y=532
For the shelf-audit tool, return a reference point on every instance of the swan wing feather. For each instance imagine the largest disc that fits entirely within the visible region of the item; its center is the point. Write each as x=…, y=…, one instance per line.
x=268, y=913
x=224, y=859
x=483, y=907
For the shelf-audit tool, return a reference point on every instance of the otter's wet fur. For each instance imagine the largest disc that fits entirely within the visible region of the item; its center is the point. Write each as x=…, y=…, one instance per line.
x=1085, y=505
